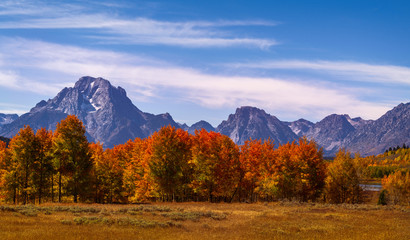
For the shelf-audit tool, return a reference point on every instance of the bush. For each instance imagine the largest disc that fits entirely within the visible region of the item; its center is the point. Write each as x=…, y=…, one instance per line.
x=65, y=221
x=382, y=198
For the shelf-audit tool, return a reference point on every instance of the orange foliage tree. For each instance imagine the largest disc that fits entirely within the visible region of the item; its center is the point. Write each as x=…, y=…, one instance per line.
x=169, y=162
x=256, y=160
x=23, y=155
x=138, y=181
x=72, y=157
x=311, y=170
x=98, y=158
x=43, y=166
x=298, y=172
x=342, y=182
x=110, y=172
x=216, y=165
x=4, y=170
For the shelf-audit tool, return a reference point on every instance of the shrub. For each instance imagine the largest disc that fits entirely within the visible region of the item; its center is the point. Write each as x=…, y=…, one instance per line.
x=66, y=221
x=382, y=198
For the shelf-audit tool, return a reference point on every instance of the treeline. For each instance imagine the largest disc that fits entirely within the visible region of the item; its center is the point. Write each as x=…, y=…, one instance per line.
x=170, y=165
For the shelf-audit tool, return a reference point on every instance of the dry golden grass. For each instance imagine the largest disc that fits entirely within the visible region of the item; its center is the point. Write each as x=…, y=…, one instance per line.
x=204, y=221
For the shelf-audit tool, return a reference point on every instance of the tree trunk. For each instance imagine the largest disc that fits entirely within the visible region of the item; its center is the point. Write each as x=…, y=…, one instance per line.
x=25, y=195
x=52, y=187
x=59, y=187
x=41, y=184
x=15, y=196
x=233, y=195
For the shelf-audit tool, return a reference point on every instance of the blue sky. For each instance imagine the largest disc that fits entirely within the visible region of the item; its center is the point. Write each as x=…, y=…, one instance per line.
x=200, y=60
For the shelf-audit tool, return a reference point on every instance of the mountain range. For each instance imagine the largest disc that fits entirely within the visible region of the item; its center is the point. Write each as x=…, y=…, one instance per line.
x=111, y=118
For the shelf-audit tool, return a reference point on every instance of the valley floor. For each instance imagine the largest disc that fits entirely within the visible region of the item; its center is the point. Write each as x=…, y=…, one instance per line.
x=280, y=220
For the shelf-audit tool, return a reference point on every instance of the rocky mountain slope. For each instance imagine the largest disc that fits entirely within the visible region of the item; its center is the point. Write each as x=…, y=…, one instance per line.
x=106, y=111
x=251, y=122
x=7, y=118
x=330, y=132
x=300, y=127
x=200, y=125
x=391, y=129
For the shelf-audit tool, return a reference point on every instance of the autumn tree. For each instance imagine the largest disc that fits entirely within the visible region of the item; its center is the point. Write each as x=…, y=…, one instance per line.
x=4, y=170
x=42, y=166
x=97, y=156
x=216, y=165
x=285, y=172
x=397, y=186
x=311, y=170
x=138, y=181
x=23, y=152
x=169, y=163
x=342, y=182
x=296, y=171
x=256, y=158
x=110, y=173
x=71, y=155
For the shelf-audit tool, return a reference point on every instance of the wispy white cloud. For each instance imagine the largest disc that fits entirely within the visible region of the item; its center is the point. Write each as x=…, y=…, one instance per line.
x=147, y=79
x=8, y=108
x=36, y=8
x=350, y=70
x=8, y=78
x=114, y=29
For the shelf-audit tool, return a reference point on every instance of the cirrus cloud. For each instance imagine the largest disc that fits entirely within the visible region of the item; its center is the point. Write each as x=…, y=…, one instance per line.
x=354, y=71
x=149, y=79
x=109, y=28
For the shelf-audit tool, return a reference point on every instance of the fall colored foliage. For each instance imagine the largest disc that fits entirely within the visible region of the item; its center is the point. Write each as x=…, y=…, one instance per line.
x=215, y=159
x=342, y=183
x=72, y=157
x=173, y=165
x=398, y=187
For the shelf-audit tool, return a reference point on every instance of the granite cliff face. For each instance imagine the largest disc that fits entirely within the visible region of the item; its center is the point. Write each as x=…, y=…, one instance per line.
x=106, y=111
x=251, y=122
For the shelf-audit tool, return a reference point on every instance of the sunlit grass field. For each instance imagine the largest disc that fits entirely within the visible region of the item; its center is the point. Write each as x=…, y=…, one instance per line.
x=280, y=220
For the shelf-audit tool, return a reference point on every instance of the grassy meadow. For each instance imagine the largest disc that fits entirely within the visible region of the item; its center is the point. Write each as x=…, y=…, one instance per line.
x=280, y=220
